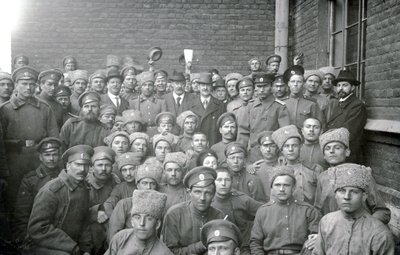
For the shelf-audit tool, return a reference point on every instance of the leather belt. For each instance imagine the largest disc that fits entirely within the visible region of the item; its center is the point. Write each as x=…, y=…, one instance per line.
x=287, y=252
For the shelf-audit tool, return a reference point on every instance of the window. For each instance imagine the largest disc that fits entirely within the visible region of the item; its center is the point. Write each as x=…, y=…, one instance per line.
x=347, y=30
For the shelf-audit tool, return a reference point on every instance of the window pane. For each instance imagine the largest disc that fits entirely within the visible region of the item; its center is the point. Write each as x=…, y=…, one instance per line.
x=338, y=17
x=352, y=11
x=352, y=45
x=338, y=49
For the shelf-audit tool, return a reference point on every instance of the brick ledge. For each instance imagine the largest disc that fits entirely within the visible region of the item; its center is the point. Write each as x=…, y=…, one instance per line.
x=389, y=126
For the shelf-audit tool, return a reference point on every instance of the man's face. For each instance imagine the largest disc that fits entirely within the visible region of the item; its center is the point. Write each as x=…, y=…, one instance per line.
x=147, y=184
x=20, y=63
x=327, y=81
x=70, y=67
x=164, y=127
x=161, y=83
x=344, y=89
x=80, y=86
x=199, y=143
x=195, y=86
x=130, y=82
x=291, y=149
x=108, y=119
x=210, y=161
x=312, y=84
x=128, y=172
x=144, y=226
x=350, y=199
x=50, y=158
x=189, y=125
x=205, y=89
x=78, y=170
x=296, y=84
x=263, y=90
x=228, y=130
x=311, y=130
x=102, y=169
x=201, y=197
x=236, y=161
x=6, y=88
x=120, y=144
x=114, y=85
x=90, y=111
x=139, y=145
x=98, y=85
x=161, y=149
x=132, y=127
x=223, y=183
x=231, y=87
x=282, y=188
x=246, y=93
x=173, y=173
x=273, y=67
x=269, y=151
x=223, y=248
x=25, y=88
x=178, y=87
x=64, y=101
x=147, y=88
x=335, y=153
x=255, y=65
x=279, y=89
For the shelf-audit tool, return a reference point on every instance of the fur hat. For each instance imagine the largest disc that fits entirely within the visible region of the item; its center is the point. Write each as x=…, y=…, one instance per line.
x=149, y=202
x=109, y=139
x=281, y=135
x=352, y=175
x=341, y=135
x=128, y=158
x=149, y=171
x=177, y=157
x=182, y=117
x=282, y=170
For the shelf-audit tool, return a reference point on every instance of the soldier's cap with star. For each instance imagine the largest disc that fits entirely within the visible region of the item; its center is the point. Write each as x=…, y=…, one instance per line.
x=200, y=176
x=281, y=135
x=273, y=58
x=81, y=153
x=22, y=57
x=220, y=83
x=107, y=108
x=25, y=73
x=165, y=117
x=148, y=202
x=279, y=80
x=341, y=135
x=88, y=97
x=205, y=78
x=145, y=77
x=194, y=76
x=137, y=135
x=232, y=76
x=103, y=152
x=177, y=76
x=177, y=157
x=6, y=76
x=309, y=73
x=220, y=231
x=235, y=147
x=182, y=117
x=52, y=74
x=293, y=70
x=328, y=70
x=63, y=90
x=101, y=73
x=128, y=70
x=49, y=144
x=128, y=158
x=252, y=59
x=169, y=138
x=132, y=116
x=263, y=78
x=265, y=137
x=79, y=75
x=346, y=75
x=352, y=175
x=226, y=116
x=280, y=171
x=152, y=171
x=244, y=82
x=69, y=60
x=160, y=73
x=110, y=138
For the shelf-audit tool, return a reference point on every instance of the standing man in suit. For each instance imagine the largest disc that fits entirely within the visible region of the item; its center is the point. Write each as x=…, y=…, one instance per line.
x=114, y=83
x=208, y=108
x=178, y=101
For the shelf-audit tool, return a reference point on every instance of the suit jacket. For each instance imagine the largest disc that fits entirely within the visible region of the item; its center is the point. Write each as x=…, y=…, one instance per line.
x=124, y=105
x=186, y=104
x=209, y=117
x=352, y=115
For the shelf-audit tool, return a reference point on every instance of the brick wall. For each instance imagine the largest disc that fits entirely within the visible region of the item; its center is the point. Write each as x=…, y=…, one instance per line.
x=223, y=33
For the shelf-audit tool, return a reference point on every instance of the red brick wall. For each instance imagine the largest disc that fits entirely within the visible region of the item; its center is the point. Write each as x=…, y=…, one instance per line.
x=223, y=33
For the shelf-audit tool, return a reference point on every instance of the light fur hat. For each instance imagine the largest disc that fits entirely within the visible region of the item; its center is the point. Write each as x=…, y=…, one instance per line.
x=182, y=117
x=281, y=135
x=79, y=74
x=352, y=175
x=137, y=135
x=145, y=77
x=169, y=138
x=328, y=69
x=232, y=76
x=149, y=171
x=128, y=158
x=177, y=157
x=318, y=73
x=149, y=202
x=282, y=170
x=110, y=138
x=341, y=135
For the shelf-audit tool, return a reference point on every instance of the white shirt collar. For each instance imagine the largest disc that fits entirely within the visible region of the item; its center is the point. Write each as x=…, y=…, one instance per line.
x=112, y=97
x=176, y=96
x=344, y=99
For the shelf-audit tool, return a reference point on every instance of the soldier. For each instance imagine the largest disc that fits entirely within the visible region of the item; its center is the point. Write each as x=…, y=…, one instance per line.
x=162, y=144
x=49, y=154
x=280, y=88
x=352, y=230
x=6, y=87
x=25, y=122
x=145, y=216
x=241, y=180
x=273, y=62
x=107, y=115
x=20, y=61
x=178, y=100
x=187, y=121
x=310, y=151
x=239, y=207
x=313, y=81
x=128, y=74
x=255, y=66
x=221, y=237
x=160, y=83
x=139, y=143
x=327, y=85
x=69, y=64
x=62, y=95
x=112, y=97
x=166, y=123
x=199, y=144
x=79, y=82
x=227, y=125
x=58, y=222
x=119, y=142
x=133, y=121
x=85, y=129
x=183, y=222
x=284, y=224
x=97, y=81
x=231, y=80
x=207, y=158
x=219, y=90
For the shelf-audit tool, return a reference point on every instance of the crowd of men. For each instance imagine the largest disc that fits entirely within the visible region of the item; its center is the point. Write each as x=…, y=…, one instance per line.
x=130, y=161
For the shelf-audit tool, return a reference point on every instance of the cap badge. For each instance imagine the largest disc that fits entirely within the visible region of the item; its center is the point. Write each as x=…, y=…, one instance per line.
x=201, y=177
x=261, y=79
x=216, y=233
x=83, y=156
x=286, y=132
x=26, y=74
x=292, y=72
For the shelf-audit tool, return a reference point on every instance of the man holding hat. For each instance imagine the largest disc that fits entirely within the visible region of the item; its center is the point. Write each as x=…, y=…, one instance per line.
x=62, y=95
x=227, y=125
x=352, y=230
x=145, y=216
x=208, y=108
x=178, y=100
x=49, y=154
x=221, y=237
x=114, y=83
x=284, y=224
x=25, y=122
x=6, y=87
x=273, y=62
x=187, y=121
x=59, y=218
x=350, y=113
x=183, y=222
x=128, y=74
x=79, y=83
x=97, y=81
x=85, y=129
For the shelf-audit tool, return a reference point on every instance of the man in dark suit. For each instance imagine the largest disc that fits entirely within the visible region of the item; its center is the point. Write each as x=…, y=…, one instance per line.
x=114, y=83
x=208, y=108
x=350, y=113
x=178, y=101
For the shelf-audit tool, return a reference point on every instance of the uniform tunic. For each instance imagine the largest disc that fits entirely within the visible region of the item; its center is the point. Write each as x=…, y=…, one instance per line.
x=362, y=235
x=284, y=226
x=120, y=217
x=120, y=191
x=129, y=95
x=125, y=243
x=175, y=194
x=59, y=215
x=184, y=143
x=75, y=107
x=55, y=106
x=312, y=153
x=219, y=149
x=301, y=109
x=264, y=174
x=306, y=181
x=248, y=184
x=182, y=226
x=240, y=109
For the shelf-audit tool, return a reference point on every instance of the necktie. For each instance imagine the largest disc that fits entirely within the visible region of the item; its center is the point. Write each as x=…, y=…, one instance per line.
x=205, y=103
x=178, y=101
x=117, y=101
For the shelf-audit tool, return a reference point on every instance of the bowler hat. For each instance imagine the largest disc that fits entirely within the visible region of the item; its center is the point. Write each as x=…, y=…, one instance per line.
x=346, y=75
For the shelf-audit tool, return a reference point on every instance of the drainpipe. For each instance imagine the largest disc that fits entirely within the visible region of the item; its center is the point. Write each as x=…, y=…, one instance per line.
x=282, y=32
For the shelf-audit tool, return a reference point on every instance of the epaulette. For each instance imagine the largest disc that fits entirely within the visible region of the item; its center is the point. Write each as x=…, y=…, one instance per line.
x=280, y=101
x=310, y=99
x=298, y=202
x=73, y=115
x=269, y=203
x=56, y=186
x=39, y=173
x=237, y=193
x=74, y=119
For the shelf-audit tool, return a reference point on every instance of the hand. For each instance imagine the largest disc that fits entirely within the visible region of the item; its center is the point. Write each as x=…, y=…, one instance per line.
x=298, y=59
x=310, y=243
x=253, y=168
x=101, y=217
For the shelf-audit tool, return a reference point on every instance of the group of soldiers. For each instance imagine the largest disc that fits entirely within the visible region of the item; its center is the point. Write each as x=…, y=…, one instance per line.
x=129, y=161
